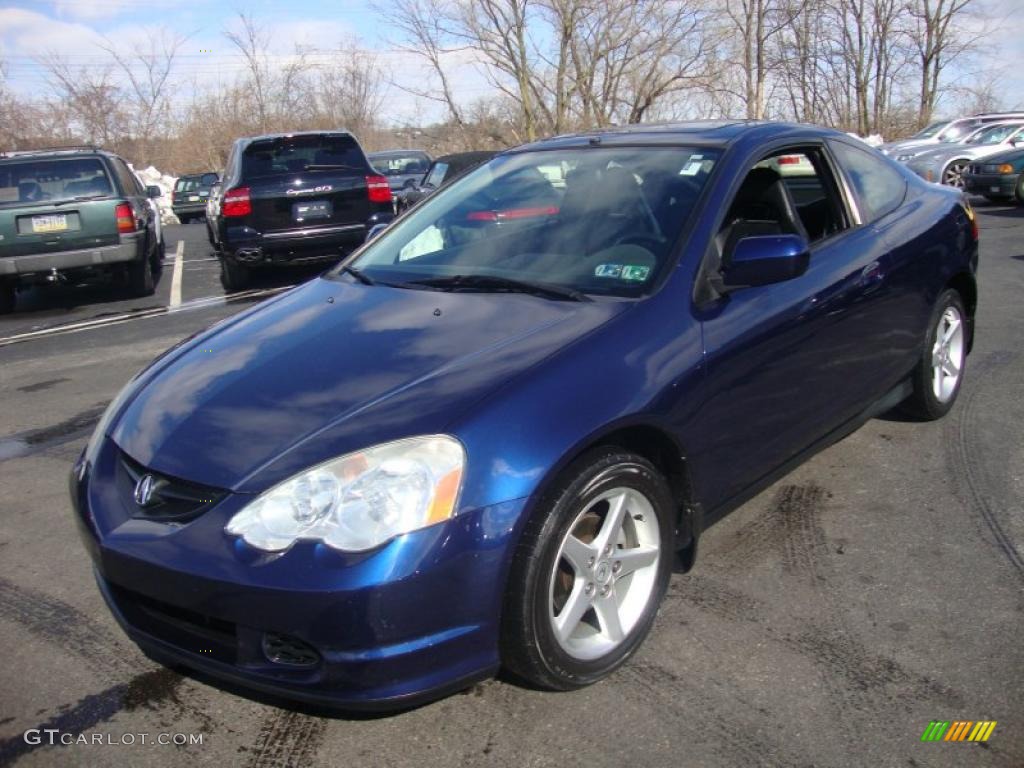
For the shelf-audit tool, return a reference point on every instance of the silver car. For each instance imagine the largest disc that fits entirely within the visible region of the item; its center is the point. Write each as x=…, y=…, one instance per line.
x=946, y=165
x=938, y=134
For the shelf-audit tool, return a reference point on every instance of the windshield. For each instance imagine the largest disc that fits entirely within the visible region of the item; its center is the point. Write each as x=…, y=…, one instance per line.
x=992, y=134
x=957, y=130
x=931, y=130
x=436, y=175
x=594, y=220
x=52, y=181
x=297, y=154
x=399, y=163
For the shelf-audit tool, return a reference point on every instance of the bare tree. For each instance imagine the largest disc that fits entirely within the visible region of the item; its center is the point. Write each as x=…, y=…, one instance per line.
x=253, y=42
x=939, y=39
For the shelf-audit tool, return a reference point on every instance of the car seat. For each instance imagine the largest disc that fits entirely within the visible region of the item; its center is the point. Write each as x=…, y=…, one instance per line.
x=763, y=206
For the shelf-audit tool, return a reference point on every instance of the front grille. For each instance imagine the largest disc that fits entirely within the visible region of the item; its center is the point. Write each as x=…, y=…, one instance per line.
x=171, y=499
x=284, y=649
x=189, y=630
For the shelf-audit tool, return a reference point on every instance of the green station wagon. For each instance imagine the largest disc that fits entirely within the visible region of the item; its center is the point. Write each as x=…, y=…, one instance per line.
x=69, y=214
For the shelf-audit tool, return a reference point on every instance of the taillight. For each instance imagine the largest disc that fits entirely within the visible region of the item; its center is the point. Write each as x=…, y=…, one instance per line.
x=236, y=202
x=973, y=218
x=377, y=189
x=125, y=218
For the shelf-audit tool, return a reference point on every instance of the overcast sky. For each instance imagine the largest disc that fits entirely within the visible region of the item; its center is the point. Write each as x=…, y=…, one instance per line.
x=73, y=27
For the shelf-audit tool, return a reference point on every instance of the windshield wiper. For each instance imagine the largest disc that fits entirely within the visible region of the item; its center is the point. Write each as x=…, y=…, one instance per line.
x=331, y=167
x=359, y=275
x=486, y=283
x=77, y=199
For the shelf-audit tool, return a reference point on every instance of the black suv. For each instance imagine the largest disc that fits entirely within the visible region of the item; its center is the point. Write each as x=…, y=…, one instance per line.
x=71, y=213
x=295, y=198
x=188, y=199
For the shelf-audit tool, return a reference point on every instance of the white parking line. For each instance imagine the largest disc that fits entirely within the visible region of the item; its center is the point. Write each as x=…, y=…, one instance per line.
x=103, y=322
x=179, y=258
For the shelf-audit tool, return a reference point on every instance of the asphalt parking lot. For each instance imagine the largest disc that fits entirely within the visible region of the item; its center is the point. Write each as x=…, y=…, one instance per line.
x=877, y=588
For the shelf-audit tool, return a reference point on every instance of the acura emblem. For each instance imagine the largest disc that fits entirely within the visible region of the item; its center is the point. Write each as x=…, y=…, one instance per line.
x=144, y=490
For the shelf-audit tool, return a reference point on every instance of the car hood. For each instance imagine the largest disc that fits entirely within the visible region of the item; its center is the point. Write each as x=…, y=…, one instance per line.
x=896, y=146
x=333, y=367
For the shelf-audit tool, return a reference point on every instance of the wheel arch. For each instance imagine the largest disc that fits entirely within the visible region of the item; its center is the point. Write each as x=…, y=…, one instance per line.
x=664, y=451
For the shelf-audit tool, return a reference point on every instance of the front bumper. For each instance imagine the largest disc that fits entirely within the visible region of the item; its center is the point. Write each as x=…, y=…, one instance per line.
x=407, y=622
x=126, y=250
x=1003, y=185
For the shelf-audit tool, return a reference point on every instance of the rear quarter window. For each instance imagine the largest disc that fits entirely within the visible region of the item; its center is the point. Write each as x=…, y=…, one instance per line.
x=879, y=187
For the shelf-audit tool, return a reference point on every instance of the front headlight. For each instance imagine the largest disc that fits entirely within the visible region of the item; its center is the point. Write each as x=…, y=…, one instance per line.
x=361, y=500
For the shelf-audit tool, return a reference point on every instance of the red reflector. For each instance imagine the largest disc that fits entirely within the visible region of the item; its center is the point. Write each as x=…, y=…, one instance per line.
x=236, y=202
x=377, y=189
x=789, y=159
x=125, y=218
x=512, y=213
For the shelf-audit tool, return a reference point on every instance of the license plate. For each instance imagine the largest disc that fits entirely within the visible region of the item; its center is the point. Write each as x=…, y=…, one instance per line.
x=193, y=198
x=54, y=222
x=994, y=189
x=312, y=209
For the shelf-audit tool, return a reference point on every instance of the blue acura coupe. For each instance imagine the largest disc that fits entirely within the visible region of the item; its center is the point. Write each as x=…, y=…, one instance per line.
x=486, y=439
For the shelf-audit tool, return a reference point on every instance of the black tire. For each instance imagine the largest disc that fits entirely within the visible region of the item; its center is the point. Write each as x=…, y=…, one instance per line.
x=234, y=277
x=157, y=260
x=139, y=277
x=1020, y=189
x=529, y=647
x=8, y=296
x=924, y=404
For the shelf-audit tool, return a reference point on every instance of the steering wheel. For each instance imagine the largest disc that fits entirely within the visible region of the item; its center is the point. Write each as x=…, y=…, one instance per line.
x=644, y=241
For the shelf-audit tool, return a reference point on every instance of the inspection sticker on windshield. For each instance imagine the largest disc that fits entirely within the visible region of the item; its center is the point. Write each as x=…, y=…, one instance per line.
x=635, y=272
x=608, y=270
x=692, y=168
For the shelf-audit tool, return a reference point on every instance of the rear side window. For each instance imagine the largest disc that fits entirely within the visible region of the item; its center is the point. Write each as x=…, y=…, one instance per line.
x=129, y=184
x=298, y=154
x=33, y=181
x=879, y=187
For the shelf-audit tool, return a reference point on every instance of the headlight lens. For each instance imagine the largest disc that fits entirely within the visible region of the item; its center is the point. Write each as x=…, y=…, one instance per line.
x=361, y=500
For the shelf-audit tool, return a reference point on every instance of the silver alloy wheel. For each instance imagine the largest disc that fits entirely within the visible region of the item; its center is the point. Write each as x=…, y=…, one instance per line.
x=954, y=174
x=605, y=573
x=947, y=354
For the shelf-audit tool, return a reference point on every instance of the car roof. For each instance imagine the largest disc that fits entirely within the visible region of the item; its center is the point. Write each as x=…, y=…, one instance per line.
x=292, y=135
x=56, y=152
x=719, y=133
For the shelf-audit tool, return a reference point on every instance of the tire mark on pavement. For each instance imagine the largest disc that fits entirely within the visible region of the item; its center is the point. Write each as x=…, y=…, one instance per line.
x=968, y=464
x=288, y=740
x=36, y=440
x=66, y=627
x=150, y=690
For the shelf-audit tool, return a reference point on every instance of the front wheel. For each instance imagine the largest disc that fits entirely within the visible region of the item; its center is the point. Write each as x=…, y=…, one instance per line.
x=953, y=175
x=590, y=572
x=940, y=371
x=1020, y=189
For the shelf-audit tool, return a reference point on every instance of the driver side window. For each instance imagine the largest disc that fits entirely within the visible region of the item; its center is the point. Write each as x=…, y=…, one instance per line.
x=790, y=192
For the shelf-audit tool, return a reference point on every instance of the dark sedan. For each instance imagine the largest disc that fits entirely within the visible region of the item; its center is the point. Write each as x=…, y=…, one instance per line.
x=486, y=438
x=444, y=170
x=999, y=178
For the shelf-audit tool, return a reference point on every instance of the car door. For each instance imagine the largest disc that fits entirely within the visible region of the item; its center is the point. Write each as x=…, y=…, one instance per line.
x=789, y=362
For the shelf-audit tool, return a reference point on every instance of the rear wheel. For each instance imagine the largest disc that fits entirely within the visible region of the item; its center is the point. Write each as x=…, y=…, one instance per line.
x=589, y=573
x=234, y=277
x=8, y=296
x=138, y=276
x=940, y=371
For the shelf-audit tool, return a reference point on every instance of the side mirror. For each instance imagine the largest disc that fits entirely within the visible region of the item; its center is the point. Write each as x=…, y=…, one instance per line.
x=766, y=259
x=153, y=191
